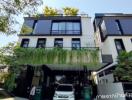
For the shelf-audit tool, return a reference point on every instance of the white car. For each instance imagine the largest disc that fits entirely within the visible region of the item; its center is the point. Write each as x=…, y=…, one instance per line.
x=4, y=95
x=64, y=92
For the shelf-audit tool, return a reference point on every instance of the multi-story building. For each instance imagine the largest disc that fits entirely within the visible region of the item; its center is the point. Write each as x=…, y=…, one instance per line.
x=113, y=33
x=68, y=32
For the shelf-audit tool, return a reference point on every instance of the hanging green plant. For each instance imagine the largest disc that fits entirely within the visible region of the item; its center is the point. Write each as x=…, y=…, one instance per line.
x=56, y=56
x=9, y=83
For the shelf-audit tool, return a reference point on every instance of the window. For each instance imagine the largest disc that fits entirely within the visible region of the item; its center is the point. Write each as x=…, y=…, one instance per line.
x=24, y=43
x=41, y=43
x=62, y=26
x=69, y=27
x=76, y=28
x=118, y=26
x=65, y=28
x=29, y=23
x=119, y=45
x=76, y=43
x=58, y=42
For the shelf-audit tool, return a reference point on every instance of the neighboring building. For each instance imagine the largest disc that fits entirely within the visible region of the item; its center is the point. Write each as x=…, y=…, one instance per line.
x=113, y=33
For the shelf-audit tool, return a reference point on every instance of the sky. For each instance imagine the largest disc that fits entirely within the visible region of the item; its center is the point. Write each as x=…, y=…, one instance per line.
x=90, y=7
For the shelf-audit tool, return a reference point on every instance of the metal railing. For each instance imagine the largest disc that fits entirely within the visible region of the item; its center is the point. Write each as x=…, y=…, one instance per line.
x=65, y=32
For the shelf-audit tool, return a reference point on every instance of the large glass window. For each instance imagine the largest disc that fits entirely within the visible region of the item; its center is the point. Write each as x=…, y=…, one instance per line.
x=76, y=43
x=69, y=28
x=119, y=45
x=24, y=43
x=66, y=28
x=58, y=42
x=62, y=26
x=41, y=43
x=76, y=28
x=29, y=23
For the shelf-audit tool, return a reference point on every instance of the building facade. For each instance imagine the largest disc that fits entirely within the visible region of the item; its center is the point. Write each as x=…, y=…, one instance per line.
x=70, y=33
x=64, y=31
x=113, y=34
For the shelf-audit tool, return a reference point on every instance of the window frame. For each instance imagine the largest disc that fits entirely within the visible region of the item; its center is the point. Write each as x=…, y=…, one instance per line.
x=121, y=44
x=22, y=42
x=58, y=39
x=37, y=46
x=73, y=40
x=65, y=32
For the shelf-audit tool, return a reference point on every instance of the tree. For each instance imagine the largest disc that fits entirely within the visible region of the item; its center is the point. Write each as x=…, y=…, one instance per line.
x=49, y=11
x=8, y=58
x=69, y=11
x=124, y=66
x=12, y=11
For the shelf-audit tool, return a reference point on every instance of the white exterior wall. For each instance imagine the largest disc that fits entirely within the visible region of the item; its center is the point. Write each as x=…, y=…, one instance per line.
x=87, y=38
x=102, y=80
x=108, y=90
x=108, y=46
x=87, y=32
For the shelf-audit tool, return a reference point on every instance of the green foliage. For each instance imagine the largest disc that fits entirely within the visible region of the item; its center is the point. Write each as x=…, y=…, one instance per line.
x=17, y=2
x=69, y=11
x=49, y=11
x=54, y=56
x=9, y=83
x=12, y=9
x=7, y=58
x=3, y=76
x=124, y=67
x=14, y=56
x=3, y=24
x=26, y=30
x=37, y=16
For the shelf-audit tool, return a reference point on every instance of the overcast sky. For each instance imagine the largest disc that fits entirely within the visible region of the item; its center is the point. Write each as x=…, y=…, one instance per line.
x=90, y=7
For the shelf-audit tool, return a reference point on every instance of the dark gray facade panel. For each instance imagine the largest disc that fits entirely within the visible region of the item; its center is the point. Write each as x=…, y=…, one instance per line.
x=43, y=27
x=126, y=25
x=111, y=27
x=107, y=58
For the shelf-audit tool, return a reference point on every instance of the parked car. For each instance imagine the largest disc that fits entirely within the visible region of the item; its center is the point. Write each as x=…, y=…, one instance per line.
x=4, y=95
x=64, y=92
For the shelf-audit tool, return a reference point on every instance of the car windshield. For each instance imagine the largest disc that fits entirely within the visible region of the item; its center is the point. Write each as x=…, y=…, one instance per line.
x=4, y=94
x=64, y=88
